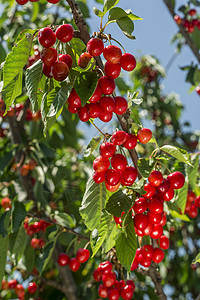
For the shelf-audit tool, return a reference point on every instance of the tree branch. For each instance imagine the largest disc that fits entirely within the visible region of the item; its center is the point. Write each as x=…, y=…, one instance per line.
x=186, y=35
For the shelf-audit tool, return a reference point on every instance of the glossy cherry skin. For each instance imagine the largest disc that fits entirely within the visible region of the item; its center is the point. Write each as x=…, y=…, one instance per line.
x=147, y=251
x=67, y=59
x=112, y=70
x=83, y=113
x=95, y=46
x=128, y=62
x=46, y=37
x=63, y=259
x=141, y=221
x=21, y=2
x=158, y=255
x=103, y=291
x=119, y=162
x=155, y=178
x=127, y=292
x=107, y=104
x=74, y=265
x=107, y=85
x=6, y=203
x=157, y=231
x=106, y=116
x=113, y=294
x=101, y=164
x=129, y=175
x=169, y=195
x=118, y=137
x=95, y=110
x=97, y=275
x=107, y=149
x=108, y=279
x=96, y=95
x=150, y=190
x=112, y=177
x=121, y=105
x=53, y=1
x=64, y=33
x=105, y=266
x=163, y=242
x=82, y=255
x=164, y=186
x=84, y=60
x=12, y=283
x=112, y=54
x=72, y=109
x=47, y=70
x=156, y=206
x=73, y=99
x=48, y=56
x=144, y=135
x=32, y=288
x=60, y=70
x=154, y=217
x=112, y=188
x=140, y=205
x=197, y=201
x=193, y=212
x=99, y=177
x=176, y=180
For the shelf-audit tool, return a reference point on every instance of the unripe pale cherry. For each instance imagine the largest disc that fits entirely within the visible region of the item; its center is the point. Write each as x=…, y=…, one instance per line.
x=107, y=149
x=155, y=178
x=46, y=37
x=121, y=105
x=107, y=85
x=101, y=164
x=176, y=179
x=64, y=33
x=128, y=62
x=112, y=70
x=95, y=46
x=112, y=177
x=144, y=135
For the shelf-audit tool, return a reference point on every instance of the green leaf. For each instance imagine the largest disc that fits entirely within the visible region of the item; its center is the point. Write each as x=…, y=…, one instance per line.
x=85, y=85
x=3, y=256
x=18, y=215
x=19, y=245
x=127, y=26
x=126, y=244
x=13, y=68
x=44, y=257
x=4, y=223
x=118, y=203
x=5, y=159
x=178, y=153
x=132, y=16
x=98, y=13
x=100, y=234
x=35, y=11
x=197, y=259
x=108, y=4
x=109, y=242
x=145, y=166
x=116, y=13
x=193, y=172
x=64, y=219
x=32, y=80
x=2, y=53
x=93, y=144
x=93, y=203
x=29, y=256
x=175, y=214
x=182, y=197
x=153, y=141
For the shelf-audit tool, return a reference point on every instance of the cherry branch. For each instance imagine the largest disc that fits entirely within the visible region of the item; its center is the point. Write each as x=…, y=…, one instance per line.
x=185, y=34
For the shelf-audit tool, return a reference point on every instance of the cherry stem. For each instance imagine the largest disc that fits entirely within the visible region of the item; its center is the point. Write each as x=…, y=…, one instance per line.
x=159, y=162
x=118, y=44
x=87, y=245
x=97, y=127
x=70, y=244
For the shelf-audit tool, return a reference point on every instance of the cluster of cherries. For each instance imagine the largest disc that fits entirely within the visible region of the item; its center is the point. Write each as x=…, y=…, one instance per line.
x=54, y=65
x=102, y=104
x=19, y=289
x=25, y=168
x=192, y=204
x=23, y=2
x=148, y=74
x=120, y=173
x=112, y=288
x=74, y=263
x=190, y=21
x=6, y=203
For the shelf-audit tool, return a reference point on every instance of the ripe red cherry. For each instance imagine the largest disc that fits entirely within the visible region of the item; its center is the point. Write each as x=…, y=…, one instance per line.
x=144, y=135
x=141, y=221
x=112, y=54
x=112, y=177
x=82, y=255
x=156, y=205
x=108, y=279
x=155, y=178
x=176, y=179
x=197, y=201
x=150, y=190
x=154, y=218
x=48, y=56
x=111, y=188
x=129, y=175
x=105, y=266
x=95, y=110
x=32, y=288
x=35, y=243
x=74, y=265
x=140, y=205
x=121, y=105
x=131, y=141
x=64, y=33
x=113, y=294
x=107, y=104
x=47, y=70
x=95, y=46
x=63, y=259
x=157, y=231
x=107, y=149
x=53, y=1
x=106, y=116
x=147, y=251
x=83, y=113
x=60, y=70
x=101, y=164
x=99, y=177
x=12, y=283
x=127, y=292
x=193, y=212
x=134, y=265
x=19, y=290
x=96, y=95
x=128, y=62
x=158, y=255
x=67, y=59
x=130, y=282
x=198, y=88
x=6, y=203
x=97, y=275
x=169, y=194
x=21, y=2
x=84, y=60
x=191, y=196
x=164, y=186
x=102, y=291
x=112, y=70
x=46, y=37
x=119, y=162
x=72, y=109
x=73, y=99
x=118, y=137
x=145, y=262
x=163, y=242
x=177, y=19
x=192, y=12
x=107, y=85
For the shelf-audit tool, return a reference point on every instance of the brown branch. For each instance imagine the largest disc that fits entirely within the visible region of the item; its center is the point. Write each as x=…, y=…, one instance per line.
x=186, y=35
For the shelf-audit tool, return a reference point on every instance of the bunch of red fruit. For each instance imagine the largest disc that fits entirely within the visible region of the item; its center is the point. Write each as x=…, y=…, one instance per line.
x=54, y=65
x=74, y=263
x=34, y=57
x=112, y=288
x=120, y=173
x=35, y=227
x=23, y=2
x=190, y=21
x=149, y=217
x=192, y=204
x=19, y=289
x=6, y=203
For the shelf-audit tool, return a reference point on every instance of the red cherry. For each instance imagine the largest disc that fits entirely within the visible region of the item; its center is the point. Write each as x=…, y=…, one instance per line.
x=106, y=116
x=130, y=282
x=63, y=259
x=73, y=99
x=186, y=24
x=46, y=37
x=64, y=33
x=112, y=54
x=97, y=275
x=155, y=178
x=140, y=205
x=95, y=110
x=19, y=290
x=148, y=230
x=82, y=255
x=156, y=206
x=176, y=179
x=157, y=231
x=144, y=135
x=121, y=106
x=113, y=294
x=95, y=46
x=112, y=177
x=197, y=201
x=107, y=85
x=6, y=203
x=111, y=188
x=21, y=2
x=112, y=70
x=163, y=242
x=101, y=164
x=169, y=195
x=103, y=291
x=108, y=279
x=84, y=60
x=67, y=59
x=177, y=19
x=147, y=251
x=47, y=70
x=129, y=175
x=118, y=137
x=119, y=162
x=12, y=283
x=60, y=70
x=35, y=243
x=119, y=284
x=107, y=149
x=191, y=196
x=32, y=288
x=164, y=186
x=141, y=221
x=198, y=87
x=158, y=255
x=192, y=12
x=72, y=109
x=105, y=266
x=74, y=265
x=128, y=62
x=96, y=95
x=193, y=212
x=48, y=56
x=53, y=1
x=99, y=177
x=127, y=292
x=145, y=262
x=150, y=190
x=83, y=113
x=107, y=104
x=134, y=265
x=154, y=218
x=163, y=220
